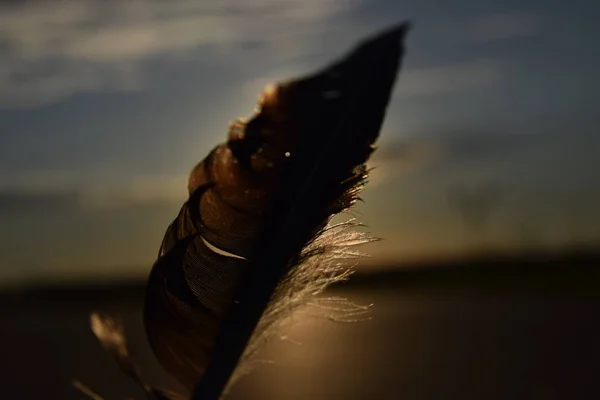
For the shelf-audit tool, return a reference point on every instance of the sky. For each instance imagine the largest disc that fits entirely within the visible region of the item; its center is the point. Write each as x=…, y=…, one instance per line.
x=106, y=106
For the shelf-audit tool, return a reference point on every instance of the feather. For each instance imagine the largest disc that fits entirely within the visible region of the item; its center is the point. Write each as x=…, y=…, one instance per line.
x=111, y=334
x=254, y=240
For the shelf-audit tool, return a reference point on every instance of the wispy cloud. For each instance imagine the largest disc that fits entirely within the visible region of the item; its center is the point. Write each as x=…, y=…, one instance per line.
x=401, y=157
x=80, y=190
x=89, y=190
x=506, y=25
x=449, y=78
x=50, y=51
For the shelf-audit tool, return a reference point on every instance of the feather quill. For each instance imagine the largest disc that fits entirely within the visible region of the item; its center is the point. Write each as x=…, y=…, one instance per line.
x=254, y=240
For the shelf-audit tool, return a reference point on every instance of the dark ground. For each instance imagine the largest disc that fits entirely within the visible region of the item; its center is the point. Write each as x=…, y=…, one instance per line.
x=496, y=328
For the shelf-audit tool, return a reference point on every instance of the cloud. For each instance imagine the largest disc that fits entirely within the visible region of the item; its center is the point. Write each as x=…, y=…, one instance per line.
x=506, y=25
x=449, y=78
x=401, y=157
x=140, y=190
x=476, y=73
x=16, y=200
x=51, y=51
x=89, y=190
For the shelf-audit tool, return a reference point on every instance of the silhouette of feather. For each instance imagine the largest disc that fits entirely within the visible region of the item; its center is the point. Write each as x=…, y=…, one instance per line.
x=252, y=242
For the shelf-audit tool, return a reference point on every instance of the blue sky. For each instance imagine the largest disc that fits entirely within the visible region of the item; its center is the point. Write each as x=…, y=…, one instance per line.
x=105, y=106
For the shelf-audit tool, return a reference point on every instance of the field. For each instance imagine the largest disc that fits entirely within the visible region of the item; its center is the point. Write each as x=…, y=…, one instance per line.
x=524, y=327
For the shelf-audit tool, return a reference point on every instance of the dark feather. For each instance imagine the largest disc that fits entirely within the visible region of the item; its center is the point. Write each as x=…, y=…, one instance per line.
x=258, y=209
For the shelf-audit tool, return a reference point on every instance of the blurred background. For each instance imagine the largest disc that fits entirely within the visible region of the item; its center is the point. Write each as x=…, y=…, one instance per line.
x=486, y=189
